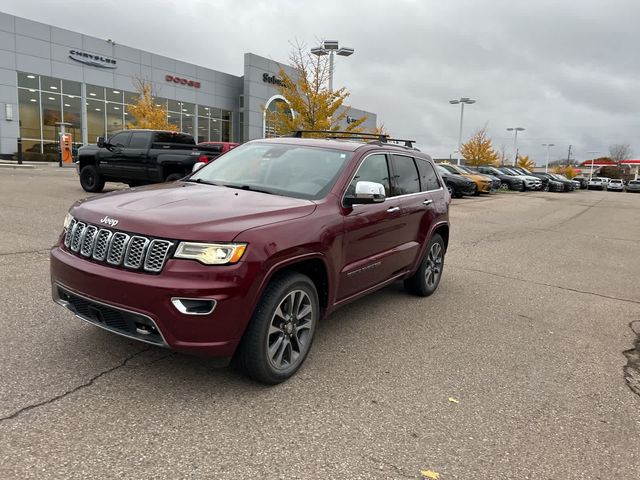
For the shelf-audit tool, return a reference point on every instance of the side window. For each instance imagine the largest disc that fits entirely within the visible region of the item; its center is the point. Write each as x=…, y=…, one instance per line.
x=120, y=139
x=139, y=140
x=373, y=169
x=405, y=175
x=428, y=177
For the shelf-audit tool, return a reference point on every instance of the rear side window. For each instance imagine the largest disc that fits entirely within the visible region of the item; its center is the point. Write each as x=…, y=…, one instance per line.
x=173, y=137
x=138, y=140
x=406, y=178
x=428, y=177
x=373, y=169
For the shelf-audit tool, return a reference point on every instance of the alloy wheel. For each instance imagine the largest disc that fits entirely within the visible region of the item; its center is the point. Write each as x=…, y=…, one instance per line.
x=434, y=265
x=290, y=330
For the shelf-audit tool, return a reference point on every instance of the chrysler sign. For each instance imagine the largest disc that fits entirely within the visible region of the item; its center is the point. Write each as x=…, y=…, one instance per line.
x=91, y=59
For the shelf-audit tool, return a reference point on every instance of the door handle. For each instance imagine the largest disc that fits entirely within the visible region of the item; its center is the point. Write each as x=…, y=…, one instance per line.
x=393, y=209
x=427, y=202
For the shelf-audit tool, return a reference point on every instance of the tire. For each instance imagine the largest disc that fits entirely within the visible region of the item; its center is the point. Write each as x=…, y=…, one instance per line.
x=504, y=186
x=453, y=192
x=545, y=188
x=476, y=192
x=90, y=179
x=172, y=177
x=275, y=344
x=426, y=279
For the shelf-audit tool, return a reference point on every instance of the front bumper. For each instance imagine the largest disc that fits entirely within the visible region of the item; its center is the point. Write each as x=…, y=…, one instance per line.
x=142, y=303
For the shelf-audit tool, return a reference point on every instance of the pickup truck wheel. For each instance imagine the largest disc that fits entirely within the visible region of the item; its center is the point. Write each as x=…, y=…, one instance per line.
x=90, y=179
x=172, y=177
x=281, y=331
x=426, y=279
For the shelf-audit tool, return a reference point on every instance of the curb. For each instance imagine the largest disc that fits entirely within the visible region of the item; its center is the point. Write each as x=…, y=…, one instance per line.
x=16, y=166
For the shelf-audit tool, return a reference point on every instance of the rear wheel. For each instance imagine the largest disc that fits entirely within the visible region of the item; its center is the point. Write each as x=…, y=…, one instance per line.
x=281, y=330
x=426, y=279
x=504, y=186
x=172, y=177
x=90, y=179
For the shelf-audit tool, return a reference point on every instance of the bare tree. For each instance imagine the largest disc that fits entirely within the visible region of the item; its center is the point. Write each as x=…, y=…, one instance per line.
x=619, y=151
x=503, y=155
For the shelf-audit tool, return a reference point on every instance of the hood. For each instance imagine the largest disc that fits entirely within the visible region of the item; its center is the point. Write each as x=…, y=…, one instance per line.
x=478, y=177
x=189, y=211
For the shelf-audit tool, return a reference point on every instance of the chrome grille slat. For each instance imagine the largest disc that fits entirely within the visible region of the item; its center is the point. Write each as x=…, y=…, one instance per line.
x=77, y=236
x=88, y=241
x=118, y=249
x=156, y=255
x=136, y=250
x=102, y=244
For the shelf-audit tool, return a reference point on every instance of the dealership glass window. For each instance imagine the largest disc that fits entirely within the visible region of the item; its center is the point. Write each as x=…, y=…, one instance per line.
x=130, y=97
x=31, y=146
x=95, y=93
x=29, y=110
x=216, y=113
x=160, y=102
x=51, y=114
x=71, y=88
x=174, y=106
x=95, y=120
x=49, y=84
x=174, y=119
x=215, y=134
x=28, y=80
x=226, y=115
x=225, y=131
x=203, y=111
x=72, y=113
x=114, y=117
x=187, y=124
x=188, y=108
x=114, y=95
x=203, y=129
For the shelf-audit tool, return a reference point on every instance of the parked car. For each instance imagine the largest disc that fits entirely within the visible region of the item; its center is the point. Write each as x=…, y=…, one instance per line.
x=569, y=185
x=457, y=184
x=138, y=157
x=530, y=182
x=243, y=258
x=507, y=182
x=483, y=183
x=584, y=181
x=213, y=150
x=615, y=185
x=495, y=181
x=633, y=186
x=549, y=184
x=597, y=183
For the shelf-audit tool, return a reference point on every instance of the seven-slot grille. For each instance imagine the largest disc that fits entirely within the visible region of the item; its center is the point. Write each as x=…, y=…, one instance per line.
x=117, y=248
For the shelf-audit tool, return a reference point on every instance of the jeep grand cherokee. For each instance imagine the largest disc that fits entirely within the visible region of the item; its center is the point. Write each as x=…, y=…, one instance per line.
x=244, y=257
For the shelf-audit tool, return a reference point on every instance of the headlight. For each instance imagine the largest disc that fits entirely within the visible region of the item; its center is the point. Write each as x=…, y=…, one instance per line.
x=67, y=221
x=211, y=253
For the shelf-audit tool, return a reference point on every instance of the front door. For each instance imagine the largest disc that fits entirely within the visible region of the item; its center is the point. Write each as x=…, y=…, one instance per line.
x=112, y=160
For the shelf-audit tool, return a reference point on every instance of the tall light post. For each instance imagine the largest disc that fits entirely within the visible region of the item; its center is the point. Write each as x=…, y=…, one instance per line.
x=548, y=145
x=593, y=154
x=515, y=141
x=331, y=48
x=462, y=102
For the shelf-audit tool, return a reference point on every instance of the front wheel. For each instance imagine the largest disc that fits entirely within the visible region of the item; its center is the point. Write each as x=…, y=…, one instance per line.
x=281, y=331
x=426, y=279
x=504, y=186
x=90, y=179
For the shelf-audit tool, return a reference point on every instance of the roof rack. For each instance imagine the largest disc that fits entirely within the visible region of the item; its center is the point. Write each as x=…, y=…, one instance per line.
x=337, y=134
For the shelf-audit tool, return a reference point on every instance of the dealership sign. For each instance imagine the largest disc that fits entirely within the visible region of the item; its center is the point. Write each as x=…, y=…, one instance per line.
x=182, y=81
x=266, y=78
x=91, y=59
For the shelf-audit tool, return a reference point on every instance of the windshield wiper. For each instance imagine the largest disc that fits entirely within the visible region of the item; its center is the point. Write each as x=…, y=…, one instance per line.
x=199, y=180
x=247, y=187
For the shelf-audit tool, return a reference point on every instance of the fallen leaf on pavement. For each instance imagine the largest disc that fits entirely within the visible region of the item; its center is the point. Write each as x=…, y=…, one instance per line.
x=454, y=400
x=430, y=474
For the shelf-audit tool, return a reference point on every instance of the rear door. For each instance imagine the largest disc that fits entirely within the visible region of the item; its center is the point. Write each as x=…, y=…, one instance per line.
x=136, y=155
x=414, y=190
x=371, y=242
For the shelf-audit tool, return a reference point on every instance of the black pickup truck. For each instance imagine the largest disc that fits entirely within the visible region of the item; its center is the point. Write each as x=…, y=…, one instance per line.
x=138, y=157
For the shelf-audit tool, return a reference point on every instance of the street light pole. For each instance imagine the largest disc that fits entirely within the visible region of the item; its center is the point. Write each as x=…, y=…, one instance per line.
x=331, y=48
x=461, y=101
x=548, y=145
x=515, y=141
x=593, y=154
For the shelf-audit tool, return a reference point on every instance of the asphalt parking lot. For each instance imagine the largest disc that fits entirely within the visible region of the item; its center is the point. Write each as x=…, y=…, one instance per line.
x=512, y=370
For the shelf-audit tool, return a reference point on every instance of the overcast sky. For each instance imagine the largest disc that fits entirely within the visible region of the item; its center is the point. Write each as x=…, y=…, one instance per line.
x=567, y=71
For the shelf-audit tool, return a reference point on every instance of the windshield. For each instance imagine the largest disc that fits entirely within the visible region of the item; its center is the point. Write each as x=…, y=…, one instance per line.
x=449, y=169
x=508, y=171
x=442, y=170
x=288, y=170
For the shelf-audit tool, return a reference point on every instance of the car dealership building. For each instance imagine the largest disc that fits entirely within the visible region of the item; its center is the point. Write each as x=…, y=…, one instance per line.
x=50, y=76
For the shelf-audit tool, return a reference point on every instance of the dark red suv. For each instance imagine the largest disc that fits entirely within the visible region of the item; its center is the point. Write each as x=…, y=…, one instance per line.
x=244, y=257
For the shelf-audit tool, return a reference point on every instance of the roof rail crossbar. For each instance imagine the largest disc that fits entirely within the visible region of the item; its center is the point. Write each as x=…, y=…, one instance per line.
x=344, y=134
x=407, y=143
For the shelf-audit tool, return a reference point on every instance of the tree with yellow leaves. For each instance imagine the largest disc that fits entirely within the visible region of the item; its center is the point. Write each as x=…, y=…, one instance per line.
x=568, y=171
x=525, y=162
x=145, y=112
x=479, y=150
x=310, y=105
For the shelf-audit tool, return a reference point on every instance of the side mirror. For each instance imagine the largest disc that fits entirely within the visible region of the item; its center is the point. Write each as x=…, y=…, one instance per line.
x=366, y=193
x=197, y=166
x=101, y=142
